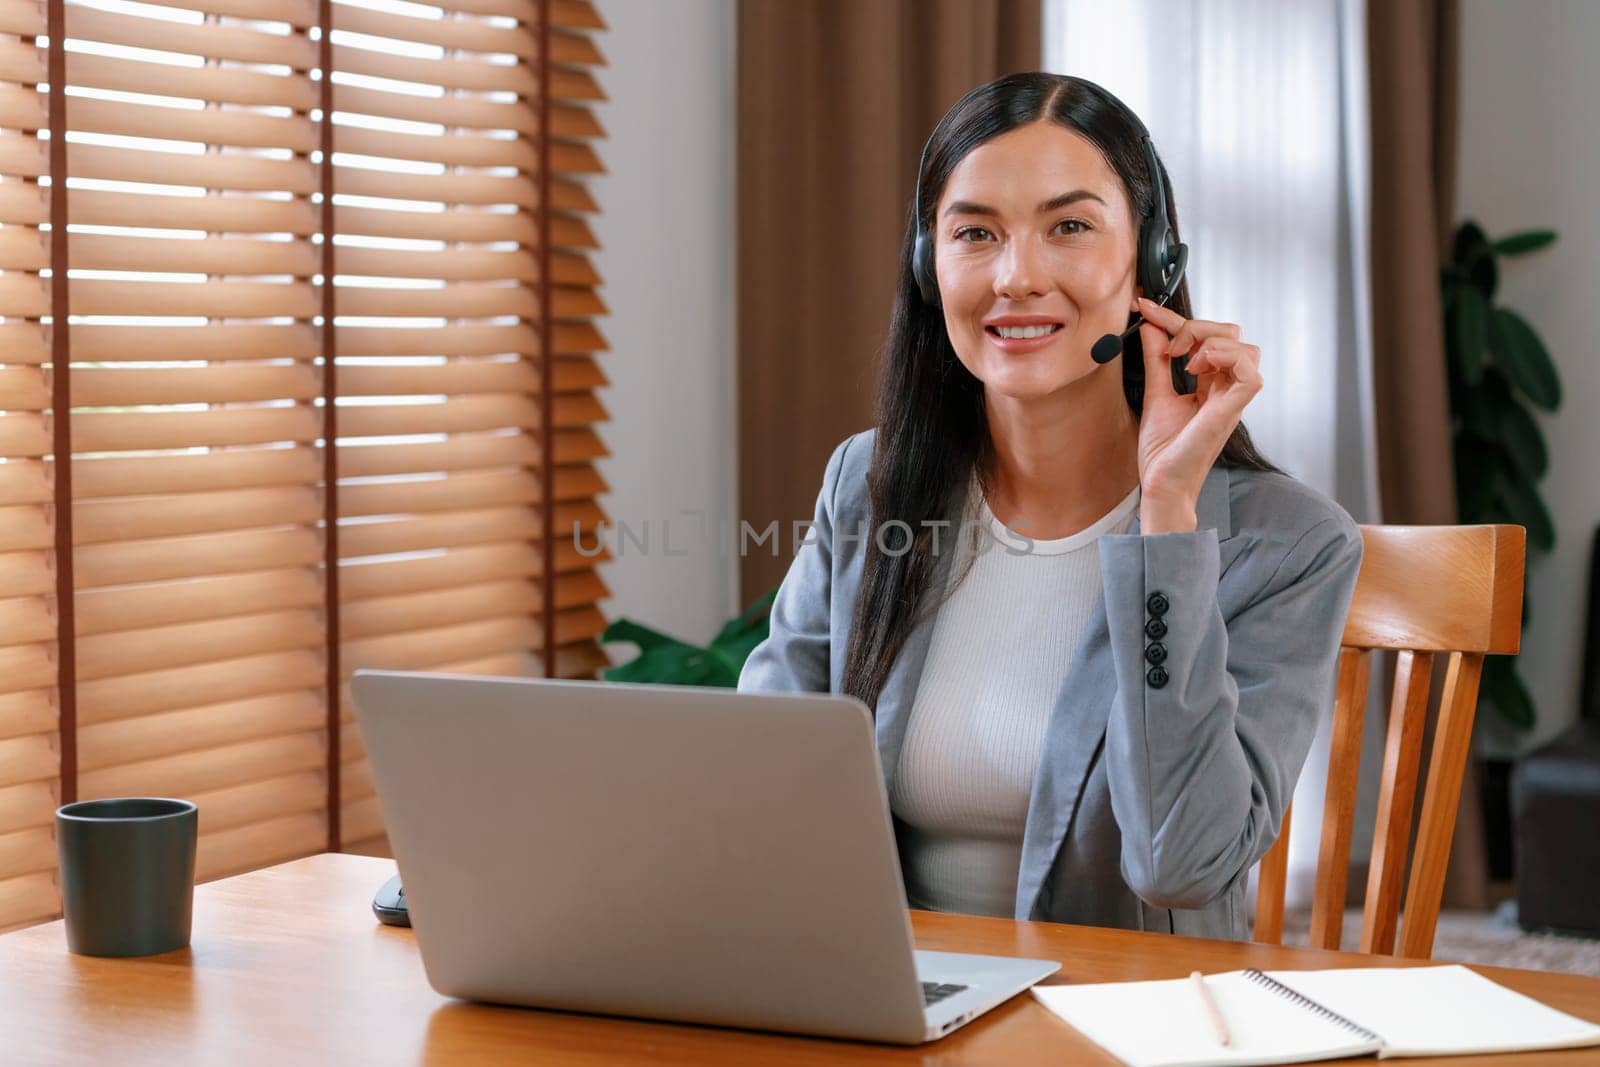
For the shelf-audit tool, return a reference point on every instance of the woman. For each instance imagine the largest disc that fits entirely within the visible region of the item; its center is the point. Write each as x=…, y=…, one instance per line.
x=1102, y=723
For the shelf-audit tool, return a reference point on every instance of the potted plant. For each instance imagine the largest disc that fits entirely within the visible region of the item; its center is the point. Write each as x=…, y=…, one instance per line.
x=666, y=660
x=1499, y=372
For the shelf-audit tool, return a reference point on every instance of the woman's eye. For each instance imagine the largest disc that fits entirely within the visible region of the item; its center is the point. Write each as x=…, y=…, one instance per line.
x=961, y=234
x=1082, y=226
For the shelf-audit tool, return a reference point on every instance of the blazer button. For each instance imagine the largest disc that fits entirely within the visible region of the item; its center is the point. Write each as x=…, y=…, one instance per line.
x=1156, y=628
x=1157, y=604
x=1157, y=677
x=1156, y=652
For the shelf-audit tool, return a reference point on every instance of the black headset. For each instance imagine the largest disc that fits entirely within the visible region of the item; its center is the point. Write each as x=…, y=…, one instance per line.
x=1161, y=261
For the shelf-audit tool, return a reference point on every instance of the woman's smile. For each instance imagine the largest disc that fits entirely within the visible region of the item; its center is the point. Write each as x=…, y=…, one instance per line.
x=1023, y=338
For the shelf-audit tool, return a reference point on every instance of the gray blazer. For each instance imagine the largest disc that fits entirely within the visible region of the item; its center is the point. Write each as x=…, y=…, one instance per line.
x=1157, y=788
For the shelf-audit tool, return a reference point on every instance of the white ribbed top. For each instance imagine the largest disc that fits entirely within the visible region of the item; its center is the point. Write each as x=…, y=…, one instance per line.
x=997, y=657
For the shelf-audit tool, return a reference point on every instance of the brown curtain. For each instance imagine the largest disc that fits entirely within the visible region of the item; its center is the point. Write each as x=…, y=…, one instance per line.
x=835, y=100
x=1413, y=48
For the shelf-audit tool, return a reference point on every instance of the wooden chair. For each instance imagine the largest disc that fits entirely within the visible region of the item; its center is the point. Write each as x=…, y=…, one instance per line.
x=1423, y=591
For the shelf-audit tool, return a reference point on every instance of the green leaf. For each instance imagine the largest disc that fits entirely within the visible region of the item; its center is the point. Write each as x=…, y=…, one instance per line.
x=1506, y=691
x=1477, y=406
x=643, y=636
x=1520, y=244
x=1522, y=501
x=1477, y=476
x=1473, y=253
x=661, y=664
x=1469, y=332
x=1518, y=349
x=1523, y=442
x=751, y=616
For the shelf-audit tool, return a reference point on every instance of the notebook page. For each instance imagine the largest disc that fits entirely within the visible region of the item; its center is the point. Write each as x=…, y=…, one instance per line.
x=1162, y=1024
x=1441, y=1011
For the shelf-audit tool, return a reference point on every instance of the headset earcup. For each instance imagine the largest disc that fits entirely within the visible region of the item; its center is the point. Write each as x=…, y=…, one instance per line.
x=922, y=269
x=1155, y=256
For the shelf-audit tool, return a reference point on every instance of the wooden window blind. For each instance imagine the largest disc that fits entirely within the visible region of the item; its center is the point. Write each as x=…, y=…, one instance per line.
x=282, y=222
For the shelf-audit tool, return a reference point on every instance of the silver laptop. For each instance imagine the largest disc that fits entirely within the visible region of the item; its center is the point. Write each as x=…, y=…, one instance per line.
x=690, y=854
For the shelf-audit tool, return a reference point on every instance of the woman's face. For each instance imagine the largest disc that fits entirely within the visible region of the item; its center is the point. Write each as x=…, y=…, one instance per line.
x=1034, y=230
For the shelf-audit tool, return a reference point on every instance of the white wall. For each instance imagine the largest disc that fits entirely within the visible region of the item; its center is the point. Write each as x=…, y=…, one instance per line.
x=1528, y=159
x=666, y=231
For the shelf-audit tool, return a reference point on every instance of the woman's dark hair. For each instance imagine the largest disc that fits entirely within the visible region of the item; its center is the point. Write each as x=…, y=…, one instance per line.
x=933, y=436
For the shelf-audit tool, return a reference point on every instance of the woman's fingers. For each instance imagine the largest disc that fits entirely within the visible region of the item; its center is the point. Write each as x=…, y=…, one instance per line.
x=1225, y=354
x=1185, y=332
x=1157, y=376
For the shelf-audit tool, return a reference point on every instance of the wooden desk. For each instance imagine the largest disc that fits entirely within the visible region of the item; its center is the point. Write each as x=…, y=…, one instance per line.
x=288, y=966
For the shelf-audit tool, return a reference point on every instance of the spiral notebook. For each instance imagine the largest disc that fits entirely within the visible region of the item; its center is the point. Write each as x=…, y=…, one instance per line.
x=1300, y=1016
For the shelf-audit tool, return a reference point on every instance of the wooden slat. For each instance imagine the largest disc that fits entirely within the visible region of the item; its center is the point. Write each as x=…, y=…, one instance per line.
x=438, y=531
x=461, y=566
x=455, y=378
x=466, y=264
x=259, y=844
x=189, y=687
x=24, y=619
x=27, y=851
x=25, y=527
x=466, y=414
x=25, y=667
x=457, y=492
x=223, y=85
x=234, y=212
x=170, y=558
x=26, y=573
x=24, y=435
x=453, y=453
x=451, y=149
x=34, y=758
x=136, y=518
x=22, y=156
x=484, y=526
x=26, y=295
x=253, y=802
x=294, y=12
x=101, y=611
x=363, y=818
x=24, y=109
x=194, y=472
x=470, y=35
x=211, y=768
x=417, y=611
x=24, y=482
x=220, y=383
x=157, y=736
x=1339, y=798
x=29, y=804
x=209, y=39
x=419, y=649
x=32, y=711
x=31, y=898
x=27, y=249
x=467, y=112
x=145, y=430
x=1413, y=677
x=1451, y=740
x=161, y=647
x=111, y=344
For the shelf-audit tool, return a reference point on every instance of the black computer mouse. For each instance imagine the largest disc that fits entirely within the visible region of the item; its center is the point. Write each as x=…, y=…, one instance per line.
x=389, y=904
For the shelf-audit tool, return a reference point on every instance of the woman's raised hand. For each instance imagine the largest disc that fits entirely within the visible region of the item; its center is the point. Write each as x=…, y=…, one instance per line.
x=1181, y=435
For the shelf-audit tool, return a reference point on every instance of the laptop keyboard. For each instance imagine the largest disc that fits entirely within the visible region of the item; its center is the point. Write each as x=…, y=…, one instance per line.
x=933, y=992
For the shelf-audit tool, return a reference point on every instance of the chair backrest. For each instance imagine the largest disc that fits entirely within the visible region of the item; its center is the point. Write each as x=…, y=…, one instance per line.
x=1423, y=592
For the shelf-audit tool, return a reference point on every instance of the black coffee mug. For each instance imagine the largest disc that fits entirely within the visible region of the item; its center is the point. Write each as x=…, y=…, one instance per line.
x=127, y=874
